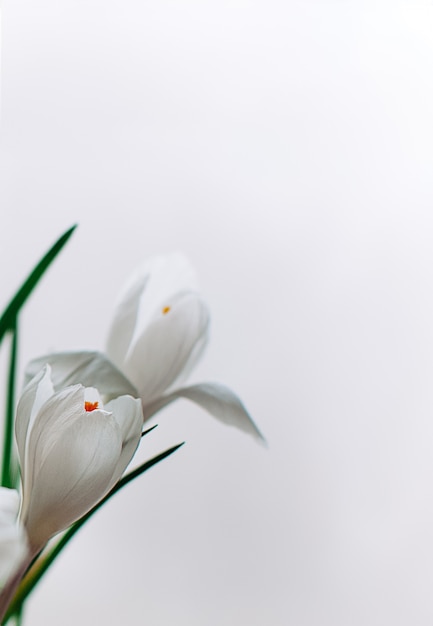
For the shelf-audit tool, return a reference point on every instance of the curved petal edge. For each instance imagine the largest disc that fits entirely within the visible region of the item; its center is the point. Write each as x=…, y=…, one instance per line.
x=88, y=368
x=216, y=399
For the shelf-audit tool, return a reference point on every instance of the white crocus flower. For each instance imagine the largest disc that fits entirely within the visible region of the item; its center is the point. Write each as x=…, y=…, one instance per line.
x=13, y=544
x=72, y=451
x=159, y=331
x=160, y=327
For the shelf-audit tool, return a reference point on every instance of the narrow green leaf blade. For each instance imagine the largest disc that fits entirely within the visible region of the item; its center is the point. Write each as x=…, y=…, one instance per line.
x=35, y=574
x=7, y=320
x=8, y=479
x=149, y=430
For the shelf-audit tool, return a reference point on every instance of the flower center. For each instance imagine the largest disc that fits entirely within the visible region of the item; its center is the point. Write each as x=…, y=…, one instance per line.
x=91, y=406
x=166, y=309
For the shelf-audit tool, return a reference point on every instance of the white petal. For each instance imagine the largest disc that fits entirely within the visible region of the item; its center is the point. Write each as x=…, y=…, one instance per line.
x=147, y=292
x=128, y=414
x=217, y=399
x=73, y=454
x=91, y=369
x=36, y=393
x=170, y=345
x=124, y=321
x=13, y=546
x=48, y=425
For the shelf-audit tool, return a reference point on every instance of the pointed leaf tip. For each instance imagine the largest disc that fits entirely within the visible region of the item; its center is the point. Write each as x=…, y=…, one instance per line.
x=149, y=430
x=7, y=319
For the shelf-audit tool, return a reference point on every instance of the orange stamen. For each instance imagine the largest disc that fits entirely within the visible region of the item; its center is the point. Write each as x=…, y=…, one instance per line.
x=166, y=309
x=91, y=406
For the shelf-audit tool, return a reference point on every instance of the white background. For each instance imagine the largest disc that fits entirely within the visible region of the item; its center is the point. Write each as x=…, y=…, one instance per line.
x=287, y=148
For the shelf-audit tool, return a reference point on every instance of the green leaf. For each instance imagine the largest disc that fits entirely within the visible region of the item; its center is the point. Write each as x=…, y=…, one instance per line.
x=9, y=477
x=42, y=564
x=7, y=320
x=149, y=430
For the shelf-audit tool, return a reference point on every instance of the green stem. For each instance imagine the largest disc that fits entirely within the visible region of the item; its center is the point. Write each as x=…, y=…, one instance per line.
x=19, y=615
x=10, y=589
x=43, y=563
x=7, y=478
x=17, y=618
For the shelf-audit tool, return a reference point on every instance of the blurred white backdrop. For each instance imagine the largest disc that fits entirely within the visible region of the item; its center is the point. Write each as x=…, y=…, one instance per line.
x=287, y=148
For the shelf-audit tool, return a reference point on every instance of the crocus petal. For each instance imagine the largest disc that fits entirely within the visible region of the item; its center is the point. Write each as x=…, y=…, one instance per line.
x=13, y=545
x=35, y=394
x=91, y=369
x=146, y=292
x=169, y=347
x=72, y=456
x=217, y=399
x=125, y=318
x=128, y=414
